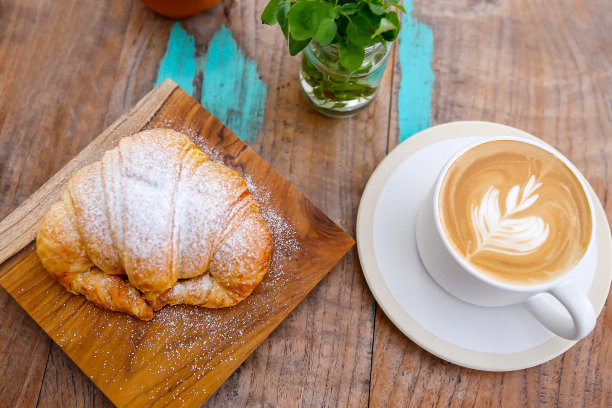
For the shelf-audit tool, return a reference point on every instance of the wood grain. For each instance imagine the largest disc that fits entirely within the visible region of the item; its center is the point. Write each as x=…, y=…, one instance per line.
x=531, y=65
x=64, y=385
x=23, y=352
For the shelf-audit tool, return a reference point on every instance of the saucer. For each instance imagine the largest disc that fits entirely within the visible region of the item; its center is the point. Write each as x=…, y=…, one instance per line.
x=491, y=339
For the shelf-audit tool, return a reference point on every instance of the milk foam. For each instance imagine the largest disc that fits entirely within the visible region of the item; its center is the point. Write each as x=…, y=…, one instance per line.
x=500, y=232
x=515, y=212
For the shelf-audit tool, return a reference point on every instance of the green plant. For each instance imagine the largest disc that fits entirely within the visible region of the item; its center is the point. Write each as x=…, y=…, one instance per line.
x=351, y=25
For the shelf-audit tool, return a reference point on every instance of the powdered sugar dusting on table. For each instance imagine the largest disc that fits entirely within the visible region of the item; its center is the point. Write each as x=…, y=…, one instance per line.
x=212, y=153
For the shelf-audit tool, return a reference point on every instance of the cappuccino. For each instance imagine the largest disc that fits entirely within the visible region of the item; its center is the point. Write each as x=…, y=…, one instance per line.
x=514, y=212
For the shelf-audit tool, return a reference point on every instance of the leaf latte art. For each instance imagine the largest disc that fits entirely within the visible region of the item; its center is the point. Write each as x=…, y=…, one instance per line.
x=514, y=212
x=503, y=233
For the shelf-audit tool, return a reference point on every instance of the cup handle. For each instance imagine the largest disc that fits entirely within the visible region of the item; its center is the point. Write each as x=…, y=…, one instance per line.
x=575, y=302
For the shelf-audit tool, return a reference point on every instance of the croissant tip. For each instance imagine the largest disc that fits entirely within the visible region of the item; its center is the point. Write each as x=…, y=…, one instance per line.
x=145, y=313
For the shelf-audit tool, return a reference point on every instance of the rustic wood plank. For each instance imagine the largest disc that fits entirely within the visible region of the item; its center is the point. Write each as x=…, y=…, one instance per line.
x=144, y=42
x=52, y=90
x=538, y=66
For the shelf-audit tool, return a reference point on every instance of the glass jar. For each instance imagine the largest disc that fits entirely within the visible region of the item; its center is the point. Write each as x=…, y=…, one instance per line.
x=334, y=90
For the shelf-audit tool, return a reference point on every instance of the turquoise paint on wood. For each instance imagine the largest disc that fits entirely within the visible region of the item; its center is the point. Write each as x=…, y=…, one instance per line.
x=231, y=87
x=416, y=56
x=180, y=63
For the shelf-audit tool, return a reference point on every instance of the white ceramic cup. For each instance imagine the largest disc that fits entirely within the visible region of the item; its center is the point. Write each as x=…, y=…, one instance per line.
x=461, y=280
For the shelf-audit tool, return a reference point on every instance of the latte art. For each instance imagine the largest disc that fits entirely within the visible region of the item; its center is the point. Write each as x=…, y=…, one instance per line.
x=504, y=233
x=514, y=212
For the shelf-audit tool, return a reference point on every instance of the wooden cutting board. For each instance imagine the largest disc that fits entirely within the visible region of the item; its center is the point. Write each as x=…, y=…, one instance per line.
x=184, y=354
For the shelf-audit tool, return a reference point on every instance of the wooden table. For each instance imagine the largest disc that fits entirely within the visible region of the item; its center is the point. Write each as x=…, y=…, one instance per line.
x=69, y=68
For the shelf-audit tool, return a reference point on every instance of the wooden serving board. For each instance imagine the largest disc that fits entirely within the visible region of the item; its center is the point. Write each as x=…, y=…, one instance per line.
x=184, y=354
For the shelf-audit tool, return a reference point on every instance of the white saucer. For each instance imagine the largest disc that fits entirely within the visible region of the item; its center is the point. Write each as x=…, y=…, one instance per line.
x=492, y=339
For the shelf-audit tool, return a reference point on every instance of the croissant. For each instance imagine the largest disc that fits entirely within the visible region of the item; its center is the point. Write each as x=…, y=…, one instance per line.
x=156, y=222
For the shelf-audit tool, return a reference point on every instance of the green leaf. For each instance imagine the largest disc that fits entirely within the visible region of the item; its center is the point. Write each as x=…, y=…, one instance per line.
x=391, y=35
x=296, y=46
x=302, y=20
x=269, y=14
x=326, y=31
x=324, y=10
x=350, y=8
x=282, y=11
x=374, y=19
x=386, y=25
x=336, y=12
x=376, y=9
x=351, y=55
x=360, y=32
x=305, y=17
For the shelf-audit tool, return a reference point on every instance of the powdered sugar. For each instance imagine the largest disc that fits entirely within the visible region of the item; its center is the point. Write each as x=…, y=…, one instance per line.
x=214, y=154
x=205, y=196
x=283, y=233
x=148, y=176
x=196, y=288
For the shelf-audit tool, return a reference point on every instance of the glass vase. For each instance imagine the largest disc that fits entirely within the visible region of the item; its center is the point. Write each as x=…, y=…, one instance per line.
x=334, y=90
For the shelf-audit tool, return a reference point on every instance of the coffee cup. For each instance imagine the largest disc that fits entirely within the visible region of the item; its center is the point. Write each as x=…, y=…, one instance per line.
x=508, y=221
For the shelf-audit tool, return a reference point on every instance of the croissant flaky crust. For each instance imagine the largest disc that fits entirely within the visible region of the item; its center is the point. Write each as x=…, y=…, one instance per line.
x=157, y=211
